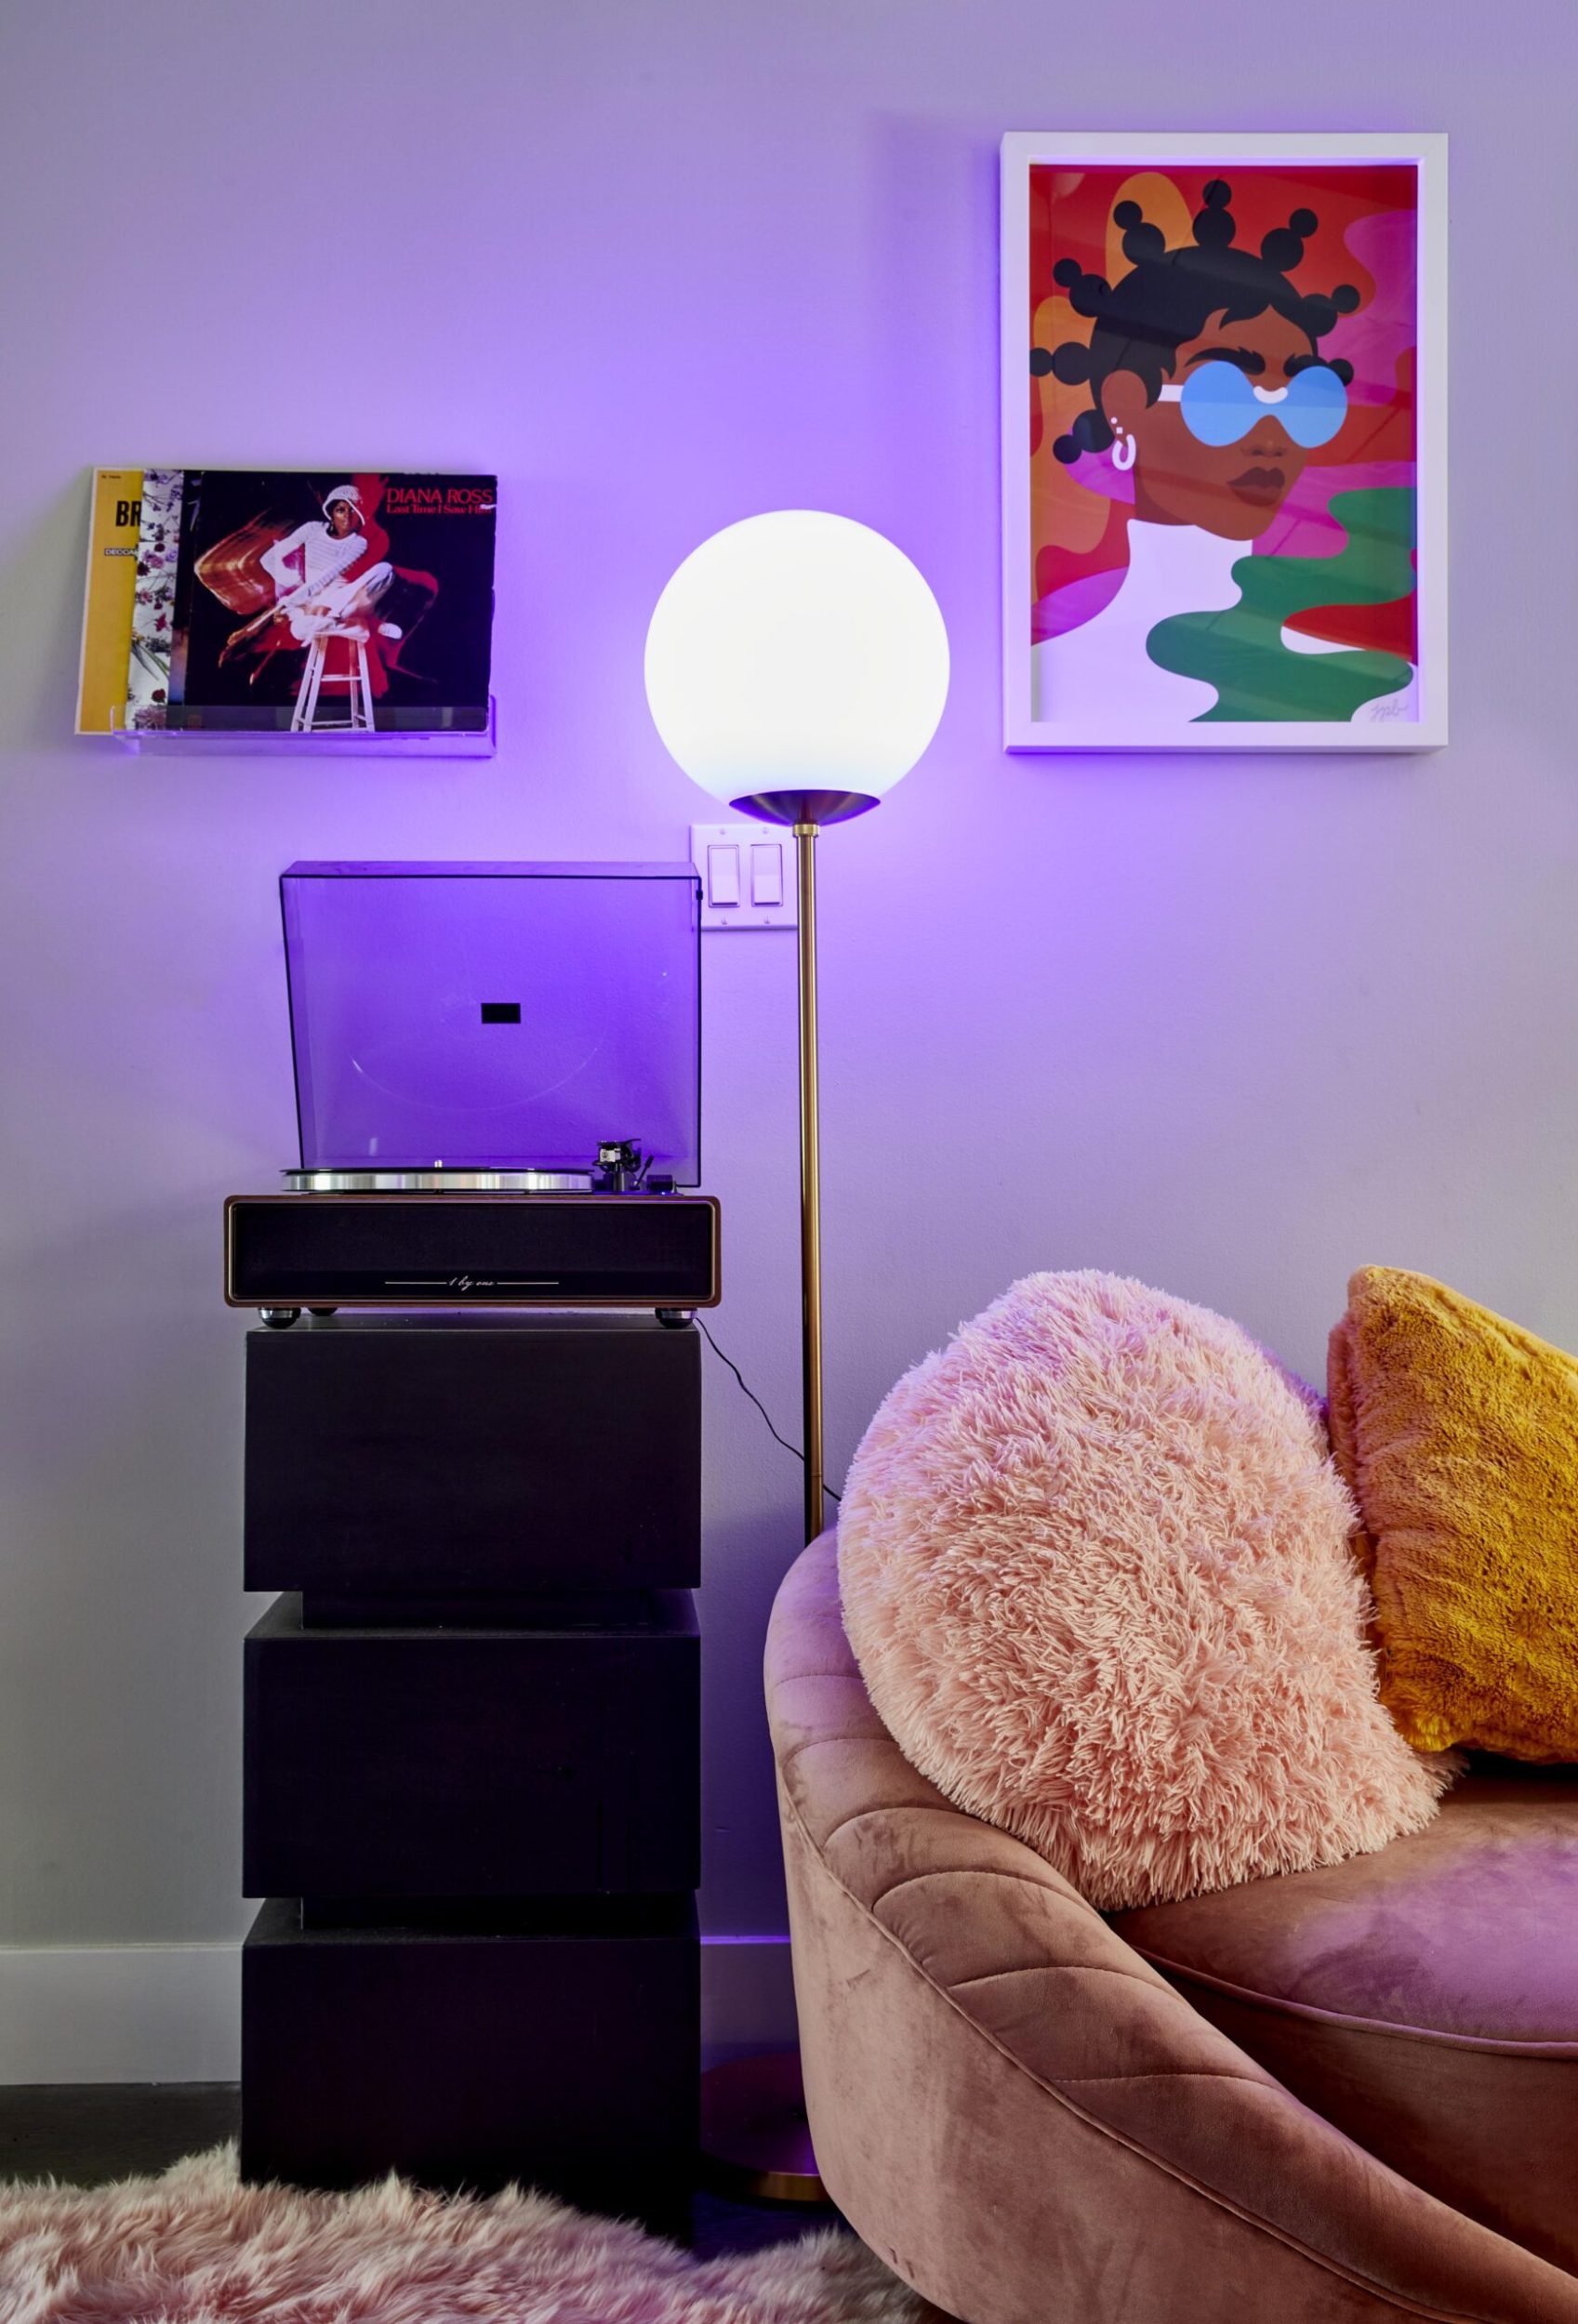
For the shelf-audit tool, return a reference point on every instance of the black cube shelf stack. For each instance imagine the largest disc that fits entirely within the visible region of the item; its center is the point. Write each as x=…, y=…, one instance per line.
x=472, y=1752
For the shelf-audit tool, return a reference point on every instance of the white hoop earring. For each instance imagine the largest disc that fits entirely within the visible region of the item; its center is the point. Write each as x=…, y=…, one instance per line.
x=1124, y=450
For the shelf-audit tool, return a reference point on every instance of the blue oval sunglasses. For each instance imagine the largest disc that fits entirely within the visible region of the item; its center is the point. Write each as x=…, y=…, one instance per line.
x=1220, y=403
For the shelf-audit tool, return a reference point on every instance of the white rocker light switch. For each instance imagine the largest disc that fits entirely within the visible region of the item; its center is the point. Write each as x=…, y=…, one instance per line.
x=747, y=875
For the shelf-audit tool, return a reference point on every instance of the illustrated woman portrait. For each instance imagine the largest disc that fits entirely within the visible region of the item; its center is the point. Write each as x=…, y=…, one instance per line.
x=1205, y=390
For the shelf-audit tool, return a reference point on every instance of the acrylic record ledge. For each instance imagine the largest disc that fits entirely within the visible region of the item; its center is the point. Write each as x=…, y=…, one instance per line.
x=439, y=742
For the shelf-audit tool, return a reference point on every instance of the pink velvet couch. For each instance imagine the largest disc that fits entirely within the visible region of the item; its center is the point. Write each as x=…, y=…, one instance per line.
x=1340, y=2095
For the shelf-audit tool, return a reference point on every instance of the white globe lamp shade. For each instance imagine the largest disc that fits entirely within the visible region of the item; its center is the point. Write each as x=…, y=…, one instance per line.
x=797, y=665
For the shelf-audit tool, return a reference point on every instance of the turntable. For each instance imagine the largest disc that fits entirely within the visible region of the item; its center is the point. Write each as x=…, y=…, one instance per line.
x=466, y=1037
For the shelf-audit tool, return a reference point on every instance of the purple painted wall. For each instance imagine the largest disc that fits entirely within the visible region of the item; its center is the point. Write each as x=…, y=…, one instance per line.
x=1233, y=1027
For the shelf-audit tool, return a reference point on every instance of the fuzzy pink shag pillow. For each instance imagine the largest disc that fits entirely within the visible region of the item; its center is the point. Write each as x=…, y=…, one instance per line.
x=1094, y=1566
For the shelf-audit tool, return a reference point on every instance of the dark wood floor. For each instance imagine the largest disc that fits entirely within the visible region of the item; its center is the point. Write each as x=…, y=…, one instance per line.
x=85, y=2133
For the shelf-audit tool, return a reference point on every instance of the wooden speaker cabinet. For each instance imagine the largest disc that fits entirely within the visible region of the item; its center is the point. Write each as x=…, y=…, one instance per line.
x=471, y=1741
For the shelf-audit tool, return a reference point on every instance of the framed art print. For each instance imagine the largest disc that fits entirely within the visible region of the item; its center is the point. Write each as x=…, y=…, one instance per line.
x=1224, y=437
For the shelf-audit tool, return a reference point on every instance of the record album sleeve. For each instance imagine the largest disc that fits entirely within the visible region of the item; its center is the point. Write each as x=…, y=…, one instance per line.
x=332, y=604
x=113, y=526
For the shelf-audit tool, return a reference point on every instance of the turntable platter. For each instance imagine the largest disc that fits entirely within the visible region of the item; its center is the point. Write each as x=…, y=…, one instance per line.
x=438, y=1181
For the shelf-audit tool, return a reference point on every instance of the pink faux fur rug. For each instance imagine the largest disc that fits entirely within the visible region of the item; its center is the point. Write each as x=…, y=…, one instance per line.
x=196, y=2247
x=1094, y=1566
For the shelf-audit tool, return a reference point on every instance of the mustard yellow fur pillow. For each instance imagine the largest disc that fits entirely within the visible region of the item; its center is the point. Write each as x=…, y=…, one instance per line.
x=1457, y=1433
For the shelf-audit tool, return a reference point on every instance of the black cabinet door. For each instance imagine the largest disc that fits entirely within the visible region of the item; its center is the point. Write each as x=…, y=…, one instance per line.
x=473, y=1763
x=560, y=2054
x=389, y=1456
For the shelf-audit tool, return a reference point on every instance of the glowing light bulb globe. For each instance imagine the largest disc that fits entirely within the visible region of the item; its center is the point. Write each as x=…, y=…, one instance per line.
x=797, y=665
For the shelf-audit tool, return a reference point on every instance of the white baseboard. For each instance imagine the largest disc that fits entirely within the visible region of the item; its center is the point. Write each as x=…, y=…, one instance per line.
x=747, y=1996
x=172, y=2013
x=120, y=2014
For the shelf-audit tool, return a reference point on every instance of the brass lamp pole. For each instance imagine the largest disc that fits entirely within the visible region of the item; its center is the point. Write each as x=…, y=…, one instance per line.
x=810, y=1182
x=805, y=812
x=754, y=2134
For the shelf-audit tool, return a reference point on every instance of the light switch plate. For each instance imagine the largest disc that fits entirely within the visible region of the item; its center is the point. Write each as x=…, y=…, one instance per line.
x=744, y=868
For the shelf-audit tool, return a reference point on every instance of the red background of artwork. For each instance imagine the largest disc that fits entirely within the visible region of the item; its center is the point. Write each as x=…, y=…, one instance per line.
x=1070, y=211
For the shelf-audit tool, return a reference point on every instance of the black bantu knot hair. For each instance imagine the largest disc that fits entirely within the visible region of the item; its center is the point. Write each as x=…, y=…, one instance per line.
x=1087, y=293
x=1169, y=296
x=1213, y=226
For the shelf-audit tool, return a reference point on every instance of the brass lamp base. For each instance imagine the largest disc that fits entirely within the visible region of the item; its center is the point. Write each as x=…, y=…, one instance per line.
x=755, y=2140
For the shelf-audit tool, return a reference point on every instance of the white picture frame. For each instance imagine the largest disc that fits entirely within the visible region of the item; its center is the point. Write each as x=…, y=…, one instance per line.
x=1230, y=675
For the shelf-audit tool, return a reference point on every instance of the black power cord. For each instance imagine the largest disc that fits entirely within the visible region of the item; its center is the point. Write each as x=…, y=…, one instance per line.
x=792, y=1451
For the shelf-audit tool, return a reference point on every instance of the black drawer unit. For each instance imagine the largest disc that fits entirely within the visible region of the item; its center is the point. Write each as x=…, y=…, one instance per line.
x=393, y=1454
x=556, y=2046
x=474, y=1762
x=471, y=1746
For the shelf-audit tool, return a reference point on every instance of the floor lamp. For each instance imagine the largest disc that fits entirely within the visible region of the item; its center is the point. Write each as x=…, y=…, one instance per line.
x=796, y=667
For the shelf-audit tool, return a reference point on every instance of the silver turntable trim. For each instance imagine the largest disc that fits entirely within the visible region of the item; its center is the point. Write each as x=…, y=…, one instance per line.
x=438, y=1181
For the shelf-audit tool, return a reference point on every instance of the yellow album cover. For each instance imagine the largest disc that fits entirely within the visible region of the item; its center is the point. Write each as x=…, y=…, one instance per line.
x=113, y=526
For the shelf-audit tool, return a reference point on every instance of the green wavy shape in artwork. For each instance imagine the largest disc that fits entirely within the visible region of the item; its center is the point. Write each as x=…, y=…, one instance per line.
x=1240, y=651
